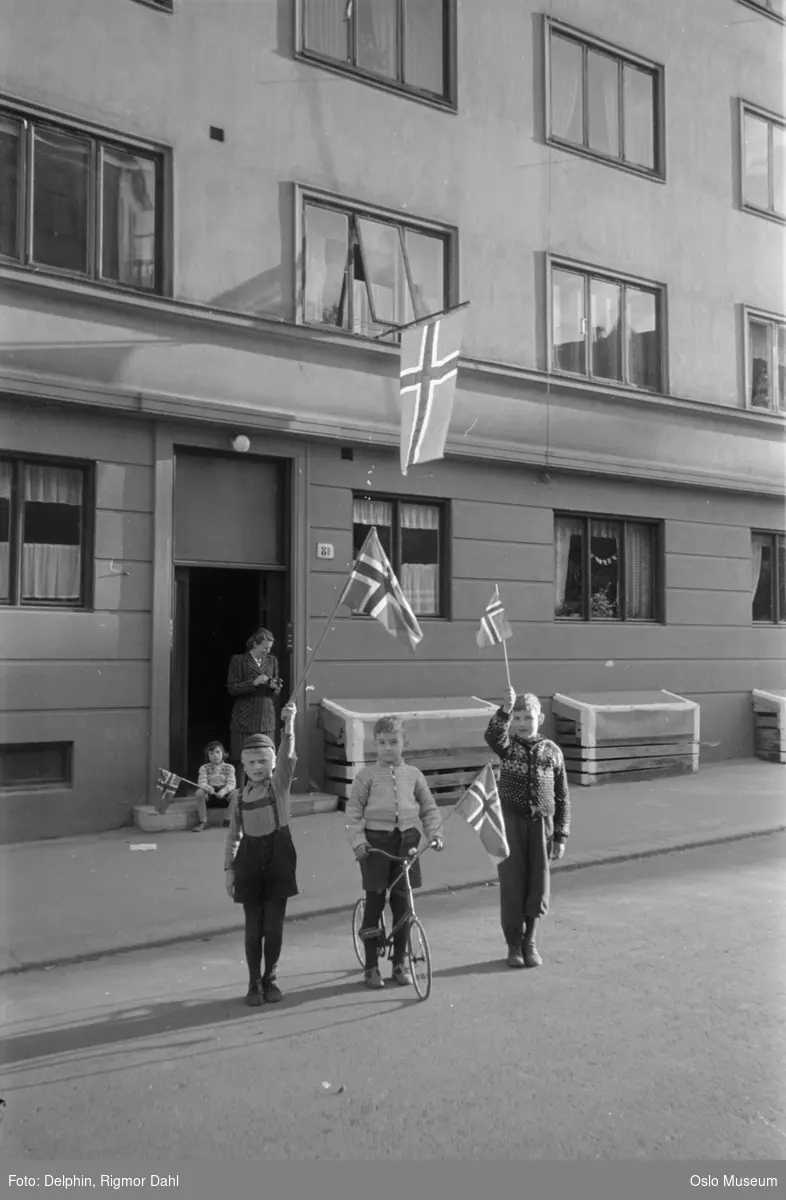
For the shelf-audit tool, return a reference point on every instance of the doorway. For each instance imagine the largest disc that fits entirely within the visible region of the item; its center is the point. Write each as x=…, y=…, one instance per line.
x=216, y=609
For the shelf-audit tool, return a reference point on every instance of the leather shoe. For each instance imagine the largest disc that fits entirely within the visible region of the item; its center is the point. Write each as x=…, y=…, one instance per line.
x=515, y=956
x=531, y=956
x=271, y=992
x=254, y=995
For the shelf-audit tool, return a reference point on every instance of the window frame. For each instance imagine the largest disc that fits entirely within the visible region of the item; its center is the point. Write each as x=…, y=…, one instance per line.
x=772, y=119
x=658, y=569
x=15, y=600
x=31, y=119
x=777, y=405
x=587, y=42
x=759, y=7
x=448, y=100
x=777, y=619
x=353, y=208
x=66, y=780
x=444, y=589
x=590, y=271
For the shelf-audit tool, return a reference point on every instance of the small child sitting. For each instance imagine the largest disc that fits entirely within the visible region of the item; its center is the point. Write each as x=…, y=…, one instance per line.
x=387, y=801
x=216, y=778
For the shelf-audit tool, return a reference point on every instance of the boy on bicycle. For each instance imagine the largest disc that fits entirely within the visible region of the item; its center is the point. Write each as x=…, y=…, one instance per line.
x=388, y=799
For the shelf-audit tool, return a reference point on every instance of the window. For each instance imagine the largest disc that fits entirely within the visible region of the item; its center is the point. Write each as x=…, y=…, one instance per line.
x=603, y=102
x=369, y=273
x=403, y=44
x=44, y=533
x=74, y=203
x=606, y=328
x=772, y=8
x=606, y=569
x=766, y=362
x=763, y=163
x=413, y=535
x=768, y=576
x=35, y=764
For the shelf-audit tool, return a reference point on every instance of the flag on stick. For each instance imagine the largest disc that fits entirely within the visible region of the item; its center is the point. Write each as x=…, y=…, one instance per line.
x=429, y=366
x=372, y=588
x=480, y=808
x=167, y=784
x=494, y=627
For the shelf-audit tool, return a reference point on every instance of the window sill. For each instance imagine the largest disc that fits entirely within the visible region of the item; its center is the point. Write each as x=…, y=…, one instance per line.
x=765, y=12
x=76, y=279
x=607, y=621
x=598, y=382
x=166, y=6
x=347, y=71
x=605, y=160
x=753, y=211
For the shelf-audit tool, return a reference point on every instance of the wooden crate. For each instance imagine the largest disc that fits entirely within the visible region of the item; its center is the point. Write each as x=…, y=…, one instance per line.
x=444, y=738
x=769, y=725
x=615, y=737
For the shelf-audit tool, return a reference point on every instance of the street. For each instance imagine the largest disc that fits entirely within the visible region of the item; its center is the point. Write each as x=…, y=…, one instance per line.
x=654, y=1030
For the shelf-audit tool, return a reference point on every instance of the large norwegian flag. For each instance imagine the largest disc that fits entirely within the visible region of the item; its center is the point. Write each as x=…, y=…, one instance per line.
x=373, y=589
x=429, y=366
x=480, y=808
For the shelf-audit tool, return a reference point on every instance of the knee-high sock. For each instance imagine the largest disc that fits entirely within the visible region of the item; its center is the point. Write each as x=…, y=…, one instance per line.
x=273, y=933
x=253, y=935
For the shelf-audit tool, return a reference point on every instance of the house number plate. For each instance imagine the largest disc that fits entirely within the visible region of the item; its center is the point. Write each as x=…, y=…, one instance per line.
x=325, y=550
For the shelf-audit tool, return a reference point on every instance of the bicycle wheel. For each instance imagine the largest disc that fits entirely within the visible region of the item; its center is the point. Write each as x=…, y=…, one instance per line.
x=358, y=915
x=357, y=925
x=419, y=957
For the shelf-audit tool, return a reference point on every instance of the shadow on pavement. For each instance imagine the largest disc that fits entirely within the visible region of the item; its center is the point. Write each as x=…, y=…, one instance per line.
x=479, y=968
x=147, y=1020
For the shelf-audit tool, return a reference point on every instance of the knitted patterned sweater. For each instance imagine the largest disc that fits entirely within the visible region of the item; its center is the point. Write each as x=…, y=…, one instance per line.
x=532, y=777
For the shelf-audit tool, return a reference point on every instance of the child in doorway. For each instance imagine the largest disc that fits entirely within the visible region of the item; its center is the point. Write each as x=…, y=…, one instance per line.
x=387, y=800
x=533, y=793
x=260, y=860
x=216, y=778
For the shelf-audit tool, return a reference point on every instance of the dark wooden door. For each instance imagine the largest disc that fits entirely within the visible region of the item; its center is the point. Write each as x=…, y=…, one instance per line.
x=178, y=708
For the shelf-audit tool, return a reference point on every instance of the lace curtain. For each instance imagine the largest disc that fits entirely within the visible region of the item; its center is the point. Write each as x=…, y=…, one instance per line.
x=51, y=571
x=638, y=572
x=565, y=529
x=757, y=548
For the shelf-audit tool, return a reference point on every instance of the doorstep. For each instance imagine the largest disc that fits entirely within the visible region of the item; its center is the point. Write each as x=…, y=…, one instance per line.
x=182, y=814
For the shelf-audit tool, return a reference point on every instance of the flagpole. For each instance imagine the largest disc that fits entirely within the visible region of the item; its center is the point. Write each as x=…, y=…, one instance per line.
x=443, y=312
x=504, y=642
x=304, y=673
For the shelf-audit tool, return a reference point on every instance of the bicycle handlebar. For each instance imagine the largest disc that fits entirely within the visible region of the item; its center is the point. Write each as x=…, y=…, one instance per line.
x=411, y=857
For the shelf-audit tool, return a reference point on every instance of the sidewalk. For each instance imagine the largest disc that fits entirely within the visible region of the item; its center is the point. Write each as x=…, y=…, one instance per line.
x=83, y=897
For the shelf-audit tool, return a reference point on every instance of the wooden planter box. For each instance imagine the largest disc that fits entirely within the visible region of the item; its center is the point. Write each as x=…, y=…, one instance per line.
x=769, y=725
x=443, y=737
x=613, y=737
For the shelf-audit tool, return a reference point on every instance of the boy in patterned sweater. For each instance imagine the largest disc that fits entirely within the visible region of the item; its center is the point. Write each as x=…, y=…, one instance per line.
x=533, y=793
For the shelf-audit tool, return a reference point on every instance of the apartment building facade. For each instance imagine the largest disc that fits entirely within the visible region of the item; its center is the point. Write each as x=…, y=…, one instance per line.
x=213, y=218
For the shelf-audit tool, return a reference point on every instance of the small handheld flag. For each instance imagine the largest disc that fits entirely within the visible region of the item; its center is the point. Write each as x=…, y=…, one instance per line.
x=167, y=784
x=480, y=808
x=429, y=367
x=372, y=588
x=494, y=626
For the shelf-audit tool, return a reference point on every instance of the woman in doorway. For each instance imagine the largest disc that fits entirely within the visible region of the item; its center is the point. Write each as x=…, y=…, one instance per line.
x=253, y=681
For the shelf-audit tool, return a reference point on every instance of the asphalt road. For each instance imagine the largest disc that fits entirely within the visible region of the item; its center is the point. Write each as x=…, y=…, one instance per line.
x=654, y=1030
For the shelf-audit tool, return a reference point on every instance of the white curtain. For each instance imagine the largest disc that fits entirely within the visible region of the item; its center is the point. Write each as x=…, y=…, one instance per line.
x=638, y=572
x=565, y=528
x=566, y=100
x=757, y=546
x=51, y=571
x=419, y=516
x=326, y=27
x=372, y=512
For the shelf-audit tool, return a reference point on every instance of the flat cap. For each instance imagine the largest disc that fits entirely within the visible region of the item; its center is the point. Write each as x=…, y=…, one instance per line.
x=259, y=741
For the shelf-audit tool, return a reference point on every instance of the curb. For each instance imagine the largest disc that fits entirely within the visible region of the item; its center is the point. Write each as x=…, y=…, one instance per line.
x=443, y=889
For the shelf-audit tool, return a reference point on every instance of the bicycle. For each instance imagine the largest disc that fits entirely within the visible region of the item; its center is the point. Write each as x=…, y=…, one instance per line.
x=417, y=953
